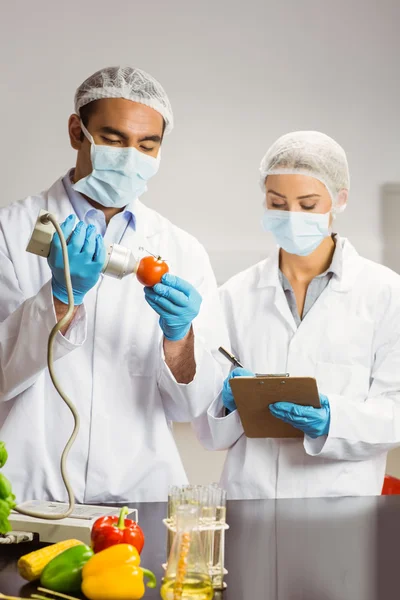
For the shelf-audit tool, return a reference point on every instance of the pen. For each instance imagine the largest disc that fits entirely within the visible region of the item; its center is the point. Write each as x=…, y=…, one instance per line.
x=230, y=357
x=237, y=363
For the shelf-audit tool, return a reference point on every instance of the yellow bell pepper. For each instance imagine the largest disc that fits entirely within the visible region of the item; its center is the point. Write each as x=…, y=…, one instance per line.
x=115, y=574
x=111, y=557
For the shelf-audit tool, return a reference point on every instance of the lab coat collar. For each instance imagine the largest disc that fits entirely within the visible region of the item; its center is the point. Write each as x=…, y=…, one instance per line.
x=148, y=222
x=83, y=207
x=351, y=265
x=269, y=274
x=341, y=282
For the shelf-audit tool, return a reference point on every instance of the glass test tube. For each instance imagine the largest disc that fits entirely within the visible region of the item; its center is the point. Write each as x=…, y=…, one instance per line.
x=219, y=541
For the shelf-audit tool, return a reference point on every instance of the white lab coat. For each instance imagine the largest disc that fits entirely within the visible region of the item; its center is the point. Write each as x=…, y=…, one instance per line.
x=350, y=342
x=110, y=363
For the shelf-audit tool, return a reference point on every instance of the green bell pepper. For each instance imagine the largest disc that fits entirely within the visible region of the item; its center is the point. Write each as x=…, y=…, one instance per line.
x=7, y=498
x=7, y=503
x=4, y=514
x=6, y=491
x=64, y=572
x=3, y=454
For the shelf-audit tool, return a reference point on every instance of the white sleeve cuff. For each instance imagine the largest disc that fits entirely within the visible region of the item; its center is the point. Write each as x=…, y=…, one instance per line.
x=75, y=336
x=225, y=430
x=188, y=401
x=315, y=446
x=199, y=352
x=322, y=445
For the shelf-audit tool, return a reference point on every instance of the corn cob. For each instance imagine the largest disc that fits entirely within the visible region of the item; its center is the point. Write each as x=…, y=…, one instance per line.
x=31, y=565
x=182, y=566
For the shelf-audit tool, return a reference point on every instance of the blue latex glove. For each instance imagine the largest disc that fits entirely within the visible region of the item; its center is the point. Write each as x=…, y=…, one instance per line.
x=177, y=302
x=227, y=396
x=313, y=421
x=86, y=253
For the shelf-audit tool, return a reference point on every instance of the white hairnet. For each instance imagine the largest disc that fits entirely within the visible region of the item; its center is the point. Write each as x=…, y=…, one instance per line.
x=309, y=153
x=129, y=83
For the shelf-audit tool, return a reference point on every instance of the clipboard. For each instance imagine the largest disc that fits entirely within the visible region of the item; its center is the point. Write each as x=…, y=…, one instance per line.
x=253, y=395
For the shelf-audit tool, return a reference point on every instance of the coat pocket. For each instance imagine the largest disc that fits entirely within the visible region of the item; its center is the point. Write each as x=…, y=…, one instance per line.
x=343, y=380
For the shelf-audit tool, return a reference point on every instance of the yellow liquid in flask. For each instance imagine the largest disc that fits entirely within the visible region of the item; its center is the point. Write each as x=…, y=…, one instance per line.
x=194, y=588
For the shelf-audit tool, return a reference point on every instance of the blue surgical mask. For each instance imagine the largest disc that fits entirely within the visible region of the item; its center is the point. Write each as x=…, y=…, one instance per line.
x=119, y=175
x=297, y=232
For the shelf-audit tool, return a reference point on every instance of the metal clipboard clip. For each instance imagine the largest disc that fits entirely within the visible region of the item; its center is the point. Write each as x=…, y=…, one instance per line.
x=278, y=375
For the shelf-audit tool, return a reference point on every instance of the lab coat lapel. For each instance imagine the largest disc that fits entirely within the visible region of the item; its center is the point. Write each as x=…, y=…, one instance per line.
x=330, y=299
x=140, y=239
x=147, y=224
x=351, y=268
x=58, y=202
x=282, y=306
x=326, y=303
x=269, y=278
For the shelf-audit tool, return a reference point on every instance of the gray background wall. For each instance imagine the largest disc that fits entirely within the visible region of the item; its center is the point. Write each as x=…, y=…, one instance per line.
x=239, y=74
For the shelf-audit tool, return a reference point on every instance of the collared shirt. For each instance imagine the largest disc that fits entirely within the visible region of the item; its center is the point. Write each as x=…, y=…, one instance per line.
x=85, y=212
x=316, y=286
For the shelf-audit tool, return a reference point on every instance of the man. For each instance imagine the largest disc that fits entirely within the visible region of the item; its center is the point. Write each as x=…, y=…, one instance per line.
x=132, y=361
x=314, y=308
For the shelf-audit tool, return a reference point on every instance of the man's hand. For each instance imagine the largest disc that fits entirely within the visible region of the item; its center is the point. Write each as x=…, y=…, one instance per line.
x=61, y=310
x=86, y=254
x=177, y=303
x=179, y=356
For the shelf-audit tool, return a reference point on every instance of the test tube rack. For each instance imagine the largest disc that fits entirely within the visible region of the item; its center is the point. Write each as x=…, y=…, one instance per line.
x=213, y=534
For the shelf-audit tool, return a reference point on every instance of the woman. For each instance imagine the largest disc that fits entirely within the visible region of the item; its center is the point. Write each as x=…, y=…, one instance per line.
x=314, y=308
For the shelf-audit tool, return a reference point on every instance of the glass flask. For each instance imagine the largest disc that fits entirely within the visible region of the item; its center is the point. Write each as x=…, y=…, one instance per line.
x=187, y=575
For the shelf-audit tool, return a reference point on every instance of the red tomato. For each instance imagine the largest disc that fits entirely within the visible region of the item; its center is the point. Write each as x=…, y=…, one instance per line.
x=150, y=270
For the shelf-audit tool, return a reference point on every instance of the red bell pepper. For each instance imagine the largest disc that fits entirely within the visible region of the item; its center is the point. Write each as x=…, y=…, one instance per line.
x=109, y=531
